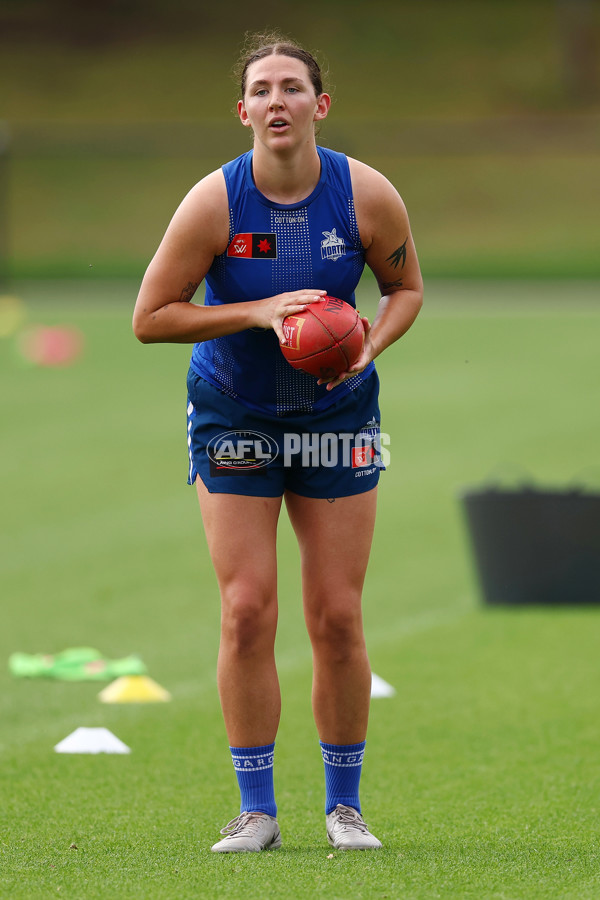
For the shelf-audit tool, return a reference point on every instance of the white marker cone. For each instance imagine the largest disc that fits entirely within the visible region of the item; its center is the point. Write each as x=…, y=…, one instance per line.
x=380, y=688
x=92, y=740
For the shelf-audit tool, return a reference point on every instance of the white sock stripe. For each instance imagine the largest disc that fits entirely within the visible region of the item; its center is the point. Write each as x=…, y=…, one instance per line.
x=253, y=756
x=246, y=763
x=343, y=760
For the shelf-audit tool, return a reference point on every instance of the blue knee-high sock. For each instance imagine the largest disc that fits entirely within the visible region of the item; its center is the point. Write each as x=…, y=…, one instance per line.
x=343, y=767
x=254, y=769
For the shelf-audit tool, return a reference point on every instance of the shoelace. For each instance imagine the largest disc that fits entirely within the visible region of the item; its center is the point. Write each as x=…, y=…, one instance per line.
x=244, y=820
x=349, y=817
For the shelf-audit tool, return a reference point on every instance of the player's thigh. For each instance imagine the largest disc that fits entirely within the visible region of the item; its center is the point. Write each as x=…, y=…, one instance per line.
x=241, y=534
x=335, y=541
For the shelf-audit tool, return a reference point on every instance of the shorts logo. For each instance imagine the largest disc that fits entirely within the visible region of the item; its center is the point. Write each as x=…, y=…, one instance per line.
x=362, y=456
x=368, y=451
x=240, y=452
x=333, y=246
x=370, y=431
x=253, y=246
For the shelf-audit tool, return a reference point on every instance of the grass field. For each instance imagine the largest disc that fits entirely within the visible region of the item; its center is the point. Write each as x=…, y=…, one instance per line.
x=481, y=774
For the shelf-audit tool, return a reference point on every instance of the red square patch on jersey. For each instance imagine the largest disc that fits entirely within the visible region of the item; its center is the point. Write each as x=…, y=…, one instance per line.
x=253, y=245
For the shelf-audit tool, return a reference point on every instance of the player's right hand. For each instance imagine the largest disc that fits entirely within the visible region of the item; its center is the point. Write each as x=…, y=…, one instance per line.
x=273, y=310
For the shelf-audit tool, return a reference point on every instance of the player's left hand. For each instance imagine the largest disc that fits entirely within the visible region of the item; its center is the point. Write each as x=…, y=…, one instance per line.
x=366, y=356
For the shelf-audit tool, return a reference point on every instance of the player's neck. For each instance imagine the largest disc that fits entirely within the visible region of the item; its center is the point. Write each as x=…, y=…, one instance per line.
x=286, y=178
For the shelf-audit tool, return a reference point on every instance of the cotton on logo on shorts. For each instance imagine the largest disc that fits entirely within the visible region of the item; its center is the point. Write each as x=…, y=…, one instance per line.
x=240, y=451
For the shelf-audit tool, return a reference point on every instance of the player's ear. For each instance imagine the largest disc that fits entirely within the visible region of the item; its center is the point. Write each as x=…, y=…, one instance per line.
x=323, y=104
x=243, y=114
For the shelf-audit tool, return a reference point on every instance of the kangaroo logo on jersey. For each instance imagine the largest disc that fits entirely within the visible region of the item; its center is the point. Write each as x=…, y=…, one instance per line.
x=333, y=246
x=253, y=246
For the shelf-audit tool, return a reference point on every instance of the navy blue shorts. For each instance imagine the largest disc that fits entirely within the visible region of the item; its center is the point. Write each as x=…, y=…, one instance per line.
x=236, y=450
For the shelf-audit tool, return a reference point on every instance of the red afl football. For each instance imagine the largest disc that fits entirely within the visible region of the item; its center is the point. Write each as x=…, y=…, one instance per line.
x=324, y=339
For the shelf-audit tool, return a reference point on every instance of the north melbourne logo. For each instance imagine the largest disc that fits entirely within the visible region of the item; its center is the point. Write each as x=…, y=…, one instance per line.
x=368, y=450
x=333, y=246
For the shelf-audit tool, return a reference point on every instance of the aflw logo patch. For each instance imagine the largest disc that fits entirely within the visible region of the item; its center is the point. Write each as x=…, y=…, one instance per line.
x=253, y=246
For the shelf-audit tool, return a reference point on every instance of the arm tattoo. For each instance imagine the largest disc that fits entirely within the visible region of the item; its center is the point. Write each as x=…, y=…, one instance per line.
x=189, y=291
x=398, y=257
x=386, y=285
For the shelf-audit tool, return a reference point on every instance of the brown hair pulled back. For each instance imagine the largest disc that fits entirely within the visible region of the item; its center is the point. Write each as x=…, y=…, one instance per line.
x=259, y=46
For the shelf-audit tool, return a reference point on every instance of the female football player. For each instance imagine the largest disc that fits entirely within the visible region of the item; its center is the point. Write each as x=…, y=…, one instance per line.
x=270, y=233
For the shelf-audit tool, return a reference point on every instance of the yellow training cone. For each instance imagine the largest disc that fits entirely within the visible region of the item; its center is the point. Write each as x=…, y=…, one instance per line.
x=134, y=689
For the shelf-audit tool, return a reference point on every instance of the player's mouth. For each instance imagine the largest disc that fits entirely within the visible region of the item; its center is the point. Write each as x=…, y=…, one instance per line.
x=278, y=125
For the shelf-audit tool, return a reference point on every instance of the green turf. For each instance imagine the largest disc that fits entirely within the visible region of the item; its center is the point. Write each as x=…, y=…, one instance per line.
x=481, y=775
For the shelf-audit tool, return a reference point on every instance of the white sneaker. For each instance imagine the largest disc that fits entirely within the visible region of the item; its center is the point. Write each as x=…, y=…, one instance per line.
x=347, y=831
x=249, y=832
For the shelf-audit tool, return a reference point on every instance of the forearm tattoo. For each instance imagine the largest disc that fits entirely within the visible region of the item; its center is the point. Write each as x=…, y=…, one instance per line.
x=388, y=285
x=189, y=291
x=398, y=257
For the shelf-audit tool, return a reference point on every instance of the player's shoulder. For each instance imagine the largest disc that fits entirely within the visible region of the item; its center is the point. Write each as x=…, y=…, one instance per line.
x=207, y=199
x=210, y=191
x=370, y=182
x=204, y=212
x=378, y=204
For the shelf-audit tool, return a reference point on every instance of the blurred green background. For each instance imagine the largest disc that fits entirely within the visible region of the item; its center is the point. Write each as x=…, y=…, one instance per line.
x=484, y=114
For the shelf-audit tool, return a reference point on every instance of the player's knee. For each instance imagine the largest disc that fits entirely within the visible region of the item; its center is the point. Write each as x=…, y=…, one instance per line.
x=337, y=630
x=248, y=620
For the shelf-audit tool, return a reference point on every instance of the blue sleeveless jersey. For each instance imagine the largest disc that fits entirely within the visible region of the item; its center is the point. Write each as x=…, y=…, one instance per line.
x=274, y=248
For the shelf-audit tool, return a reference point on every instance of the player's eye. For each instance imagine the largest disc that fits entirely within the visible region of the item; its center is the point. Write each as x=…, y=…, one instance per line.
x=261, y=92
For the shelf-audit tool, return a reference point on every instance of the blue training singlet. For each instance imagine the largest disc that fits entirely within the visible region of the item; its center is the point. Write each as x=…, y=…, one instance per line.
x=274, y=248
